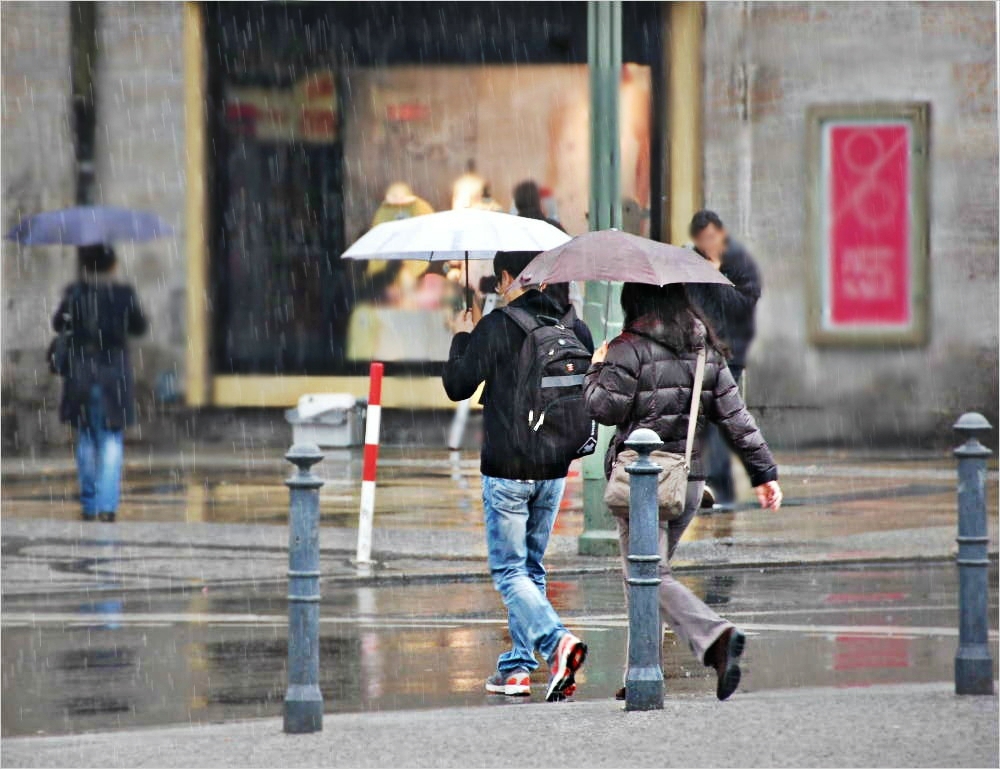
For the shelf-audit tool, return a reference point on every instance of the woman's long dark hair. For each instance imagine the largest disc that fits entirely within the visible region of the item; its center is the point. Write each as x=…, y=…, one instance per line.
x=670, y=305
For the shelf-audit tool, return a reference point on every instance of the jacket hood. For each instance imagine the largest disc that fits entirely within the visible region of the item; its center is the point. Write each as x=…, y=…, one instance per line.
x=668, y=334
x=535, y=301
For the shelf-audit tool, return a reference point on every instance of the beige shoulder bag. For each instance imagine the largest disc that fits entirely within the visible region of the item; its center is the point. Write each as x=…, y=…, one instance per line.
x=671, y=491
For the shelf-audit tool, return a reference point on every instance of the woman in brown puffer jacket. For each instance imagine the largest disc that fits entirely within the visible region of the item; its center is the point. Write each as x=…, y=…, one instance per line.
x=645, y=378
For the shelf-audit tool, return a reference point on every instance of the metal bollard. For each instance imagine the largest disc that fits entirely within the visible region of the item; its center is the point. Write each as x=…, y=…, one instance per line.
x=303, y=699
x=973, y=666
x=644, y=679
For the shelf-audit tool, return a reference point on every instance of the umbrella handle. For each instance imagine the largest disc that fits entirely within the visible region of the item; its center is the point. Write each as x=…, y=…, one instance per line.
x=467, y=308
x=607, y=308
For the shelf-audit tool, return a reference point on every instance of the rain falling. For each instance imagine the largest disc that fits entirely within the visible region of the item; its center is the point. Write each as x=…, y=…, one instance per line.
x=499, y=383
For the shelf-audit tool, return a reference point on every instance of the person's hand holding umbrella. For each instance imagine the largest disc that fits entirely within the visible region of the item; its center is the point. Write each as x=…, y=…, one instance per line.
x=463, y=322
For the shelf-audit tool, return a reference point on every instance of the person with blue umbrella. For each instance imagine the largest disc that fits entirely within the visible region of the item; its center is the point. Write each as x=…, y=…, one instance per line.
x=95, y=319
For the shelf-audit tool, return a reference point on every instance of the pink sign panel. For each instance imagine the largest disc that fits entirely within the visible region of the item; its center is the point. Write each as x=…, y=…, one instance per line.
x=868, y=215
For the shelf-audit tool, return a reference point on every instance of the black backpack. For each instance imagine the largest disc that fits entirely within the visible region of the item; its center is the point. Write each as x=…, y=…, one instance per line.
x=550, y=423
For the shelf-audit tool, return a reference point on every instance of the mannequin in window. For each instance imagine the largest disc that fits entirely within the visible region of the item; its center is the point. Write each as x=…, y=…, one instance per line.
x=400, y=203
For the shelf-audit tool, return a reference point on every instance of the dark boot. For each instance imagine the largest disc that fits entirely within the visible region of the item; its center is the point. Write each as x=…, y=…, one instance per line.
x=107, y=517
x=724, y=655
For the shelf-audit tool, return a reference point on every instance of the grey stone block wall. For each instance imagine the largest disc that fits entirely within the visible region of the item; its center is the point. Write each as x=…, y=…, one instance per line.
x=38, y=174
x=797, y=54
x=140, y=163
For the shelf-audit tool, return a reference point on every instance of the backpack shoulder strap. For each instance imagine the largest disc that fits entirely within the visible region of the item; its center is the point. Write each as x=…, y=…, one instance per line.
x=699, y=379
x=525, y=320
x=72, y=300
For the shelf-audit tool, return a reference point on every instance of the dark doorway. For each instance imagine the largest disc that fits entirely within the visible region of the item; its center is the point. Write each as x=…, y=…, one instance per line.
x=298, y=168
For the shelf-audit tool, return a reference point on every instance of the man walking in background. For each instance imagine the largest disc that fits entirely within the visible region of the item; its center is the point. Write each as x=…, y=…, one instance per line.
x=731, y=311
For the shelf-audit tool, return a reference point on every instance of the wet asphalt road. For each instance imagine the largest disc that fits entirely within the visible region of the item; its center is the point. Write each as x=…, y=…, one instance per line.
x=71, y=665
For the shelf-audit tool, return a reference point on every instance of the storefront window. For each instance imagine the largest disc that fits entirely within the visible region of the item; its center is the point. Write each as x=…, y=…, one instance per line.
x=331, y=118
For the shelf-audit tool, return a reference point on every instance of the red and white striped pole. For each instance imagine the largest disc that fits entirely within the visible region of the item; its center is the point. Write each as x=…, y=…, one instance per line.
x=373, y=421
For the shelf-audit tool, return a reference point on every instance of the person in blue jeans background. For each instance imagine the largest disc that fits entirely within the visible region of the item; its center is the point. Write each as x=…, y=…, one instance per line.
x=99, y=315
x=99, y=455
x=520, y=496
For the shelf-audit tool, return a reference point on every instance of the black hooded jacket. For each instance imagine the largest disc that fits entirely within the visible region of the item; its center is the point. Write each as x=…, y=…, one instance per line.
x=103, y=315
x=646, y=381
x=731, y=309
x=489, y=354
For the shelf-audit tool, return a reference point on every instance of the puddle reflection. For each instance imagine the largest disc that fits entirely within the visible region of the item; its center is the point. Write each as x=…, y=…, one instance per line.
x=128, y=662
x=442, y=490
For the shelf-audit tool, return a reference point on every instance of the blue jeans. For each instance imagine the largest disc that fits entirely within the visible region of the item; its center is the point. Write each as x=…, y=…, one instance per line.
x=99, y=455
x=519, y=520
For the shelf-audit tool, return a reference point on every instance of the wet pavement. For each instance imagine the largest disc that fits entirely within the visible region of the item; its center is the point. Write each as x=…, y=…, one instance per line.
x=176, y=614
x=73, y=664
x=198, y=520
x=841, y=492
x=416, y=488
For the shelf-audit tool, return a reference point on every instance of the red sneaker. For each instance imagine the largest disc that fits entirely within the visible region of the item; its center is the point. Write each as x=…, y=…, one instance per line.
x=568, y=658
x=516, y=683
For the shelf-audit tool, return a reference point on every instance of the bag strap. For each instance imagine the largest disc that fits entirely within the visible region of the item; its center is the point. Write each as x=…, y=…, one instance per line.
x=85, y=298
x=528, y=321
x=73, y=301
x=525, y=320
x=699, y=379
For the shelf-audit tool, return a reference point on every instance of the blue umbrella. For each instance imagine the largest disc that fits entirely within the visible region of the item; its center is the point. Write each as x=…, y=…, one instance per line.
x=88, y=226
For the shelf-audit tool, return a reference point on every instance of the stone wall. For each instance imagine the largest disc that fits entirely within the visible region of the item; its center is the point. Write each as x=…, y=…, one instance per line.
x=793, y=55
x=38, y=174
x=140, y=163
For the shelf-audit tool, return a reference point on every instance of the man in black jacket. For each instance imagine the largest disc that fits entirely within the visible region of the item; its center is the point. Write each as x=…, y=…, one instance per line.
x=520, y=497
x=731, y=311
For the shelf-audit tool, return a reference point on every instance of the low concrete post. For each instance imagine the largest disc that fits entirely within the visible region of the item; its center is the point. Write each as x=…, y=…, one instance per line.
x=303, y=699
x=644, y=679
x=973, y=666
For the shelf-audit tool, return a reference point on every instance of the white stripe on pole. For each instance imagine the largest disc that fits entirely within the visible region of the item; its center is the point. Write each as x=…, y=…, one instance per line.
x=458, y=424
x=373, y=423
x=366, y=522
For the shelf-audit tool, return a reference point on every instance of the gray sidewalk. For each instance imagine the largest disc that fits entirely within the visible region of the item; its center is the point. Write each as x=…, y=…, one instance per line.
x=190, y=520
x=906, y=725
x=42, y=557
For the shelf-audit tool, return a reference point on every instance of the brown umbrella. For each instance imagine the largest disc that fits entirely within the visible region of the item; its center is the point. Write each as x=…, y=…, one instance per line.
x=613, y=255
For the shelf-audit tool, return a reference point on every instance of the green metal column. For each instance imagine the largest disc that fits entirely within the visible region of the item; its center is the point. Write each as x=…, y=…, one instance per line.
x=601, y=311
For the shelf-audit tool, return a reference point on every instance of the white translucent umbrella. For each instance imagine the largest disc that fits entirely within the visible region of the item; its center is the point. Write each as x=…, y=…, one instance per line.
x=465, y=233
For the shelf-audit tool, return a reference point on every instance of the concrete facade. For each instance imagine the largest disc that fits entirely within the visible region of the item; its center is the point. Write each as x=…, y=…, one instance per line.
x=793, y=55
x=790, y=55
x=38, y=174
x=139, y=163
